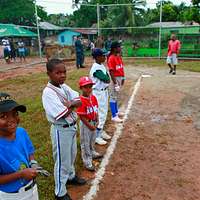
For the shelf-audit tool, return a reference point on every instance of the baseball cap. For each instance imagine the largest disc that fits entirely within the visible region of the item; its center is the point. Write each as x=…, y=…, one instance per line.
x=98, y=52
x=7, y=103
x=115, y=44
x=85, y=80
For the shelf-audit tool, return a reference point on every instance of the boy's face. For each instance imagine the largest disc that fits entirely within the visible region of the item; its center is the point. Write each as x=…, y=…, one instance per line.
x=101, y=59
x=8, y=122
x=87, y=89
x=58, y=74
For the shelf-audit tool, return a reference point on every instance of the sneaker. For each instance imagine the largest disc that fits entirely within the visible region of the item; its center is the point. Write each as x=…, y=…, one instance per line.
x=174, y=72
x=100, y=141
x=105, y=136
x=90, y=168
x=97, y=155
x=170, y=71
x=117, y=119
x=120, y=114
x=76, y=181
x=65, y=197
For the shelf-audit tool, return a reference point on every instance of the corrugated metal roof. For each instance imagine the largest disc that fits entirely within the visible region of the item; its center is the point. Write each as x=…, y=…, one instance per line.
x=49, y=26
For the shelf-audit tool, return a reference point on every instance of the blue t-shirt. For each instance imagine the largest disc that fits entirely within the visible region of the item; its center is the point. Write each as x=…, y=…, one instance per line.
x=14, y=156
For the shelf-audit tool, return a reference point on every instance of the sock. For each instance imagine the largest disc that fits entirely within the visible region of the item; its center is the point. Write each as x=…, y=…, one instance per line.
x=113, y=108
x=116, y=107
x=98, y=132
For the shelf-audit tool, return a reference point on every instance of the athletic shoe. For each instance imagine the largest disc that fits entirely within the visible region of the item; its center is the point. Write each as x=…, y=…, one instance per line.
x=170, y=71
x=90, y=168
x=105, y=136
x=120, y=114
x=65, y=197
x=76, y=181
x=174, y=72
x=117, y=119
x=100, y=141
x=97, y=155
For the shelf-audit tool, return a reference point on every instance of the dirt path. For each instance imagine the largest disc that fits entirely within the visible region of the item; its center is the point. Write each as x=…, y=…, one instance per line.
x=157, y=156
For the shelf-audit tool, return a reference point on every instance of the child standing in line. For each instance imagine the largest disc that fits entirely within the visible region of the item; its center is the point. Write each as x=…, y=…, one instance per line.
x=88, y=114
x=116, y=69
x=59, y=102
x=101, y=78
x=18, y=168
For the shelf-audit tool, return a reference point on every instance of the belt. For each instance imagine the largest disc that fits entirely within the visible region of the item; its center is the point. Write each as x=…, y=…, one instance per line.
x=30, y=186
x=102, y=89
x=69, y=125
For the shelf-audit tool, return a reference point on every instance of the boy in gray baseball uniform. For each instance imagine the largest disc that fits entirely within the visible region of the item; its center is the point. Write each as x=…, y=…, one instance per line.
x=59, y=101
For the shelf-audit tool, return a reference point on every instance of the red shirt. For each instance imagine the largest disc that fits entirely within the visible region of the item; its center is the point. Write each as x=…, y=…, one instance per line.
x=89, y=107
x=116, y=64
x=173, y=47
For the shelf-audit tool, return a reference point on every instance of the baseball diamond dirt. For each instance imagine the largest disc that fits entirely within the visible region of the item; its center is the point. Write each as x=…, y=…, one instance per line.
x=157, y=154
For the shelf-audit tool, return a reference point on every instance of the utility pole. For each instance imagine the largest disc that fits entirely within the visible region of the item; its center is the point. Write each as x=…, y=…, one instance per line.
x=98, y=19
x=160, y=31
x=38, y=31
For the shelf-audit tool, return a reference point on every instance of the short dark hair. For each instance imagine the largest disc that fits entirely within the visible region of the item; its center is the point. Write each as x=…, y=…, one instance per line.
x=52, y=63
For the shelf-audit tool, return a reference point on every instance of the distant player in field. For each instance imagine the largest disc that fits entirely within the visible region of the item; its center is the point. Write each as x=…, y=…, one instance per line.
x=116, y=69
x=174, y=46
x=88, y=114
x=100, y=77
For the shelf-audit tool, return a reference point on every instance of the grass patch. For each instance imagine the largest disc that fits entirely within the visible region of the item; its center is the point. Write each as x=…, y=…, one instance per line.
x=27, y=90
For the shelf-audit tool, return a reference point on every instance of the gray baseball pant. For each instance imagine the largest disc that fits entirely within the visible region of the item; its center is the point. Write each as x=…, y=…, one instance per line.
x=87, y=144
x=64, y=155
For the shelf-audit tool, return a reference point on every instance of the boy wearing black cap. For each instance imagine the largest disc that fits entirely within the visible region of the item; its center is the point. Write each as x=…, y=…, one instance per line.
x=116, y=69
x=18, y=168
x=100, y=77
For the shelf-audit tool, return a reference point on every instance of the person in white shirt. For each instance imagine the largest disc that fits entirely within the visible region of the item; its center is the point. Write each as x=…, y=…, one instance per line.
x=101, y=78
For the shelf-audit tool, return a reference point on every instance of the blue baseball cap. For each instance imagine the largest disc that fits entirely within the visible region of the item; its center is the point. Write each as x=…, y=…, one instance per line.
x=98, y=52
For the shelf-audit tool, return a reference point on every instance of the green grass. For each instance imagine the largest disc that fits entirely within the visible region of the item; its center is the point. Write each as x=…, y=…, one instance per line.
x=28, y=89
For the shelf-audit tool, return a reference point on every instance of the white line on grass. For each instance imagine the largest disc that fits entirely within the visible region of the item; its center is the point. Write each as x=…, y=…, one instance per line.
x=119, y=127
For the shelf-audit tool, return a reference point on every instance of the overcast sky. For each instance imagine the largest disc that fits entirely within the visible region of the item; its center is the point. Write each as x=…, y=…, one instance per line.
x=65, y=6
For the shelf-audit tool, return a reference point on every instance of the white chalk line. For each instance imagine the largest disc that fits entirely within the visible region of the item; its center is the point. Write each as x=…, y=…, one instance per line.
x=119, y=127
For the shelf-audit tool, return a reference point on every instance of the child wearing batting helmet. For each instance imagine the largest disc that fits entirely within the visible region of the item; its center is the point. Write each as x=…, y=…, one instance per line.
x=116, y=69
x=59, y=102
x=88, y=114
x=101, y=78
x=18, y=169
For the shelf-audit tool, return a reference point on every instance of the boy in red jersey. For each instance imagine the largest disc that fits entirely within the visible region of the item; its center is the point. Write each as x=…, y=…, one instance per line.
x=88, y=114
x=116, y=69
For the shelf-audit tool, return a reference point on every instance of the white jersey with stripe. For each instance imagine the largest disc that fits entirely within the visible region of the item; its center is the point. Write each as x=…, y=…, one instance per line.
x=53, y=99
x=99, y=85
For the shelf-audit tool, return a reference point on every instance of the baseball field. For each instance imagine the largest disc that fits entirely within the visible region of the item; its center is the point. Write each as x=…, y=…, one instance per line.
x=153, y=155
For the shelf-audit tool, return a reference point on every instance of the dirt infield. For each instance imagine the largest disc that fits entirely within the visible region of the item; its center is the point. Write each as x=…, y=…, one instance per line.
x=157, y=156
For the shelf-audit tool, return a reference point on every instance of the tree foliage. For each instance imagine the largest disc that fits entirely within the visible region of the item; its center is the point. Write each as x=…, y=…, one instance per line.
x=20, y=12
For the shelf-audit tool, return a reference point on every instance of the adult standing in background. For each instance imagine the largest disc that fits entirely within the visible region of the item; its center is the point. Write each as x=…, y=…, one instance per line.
x=99, y=43
x=7, y=49
x=79, y=53
x=21, y=50
x=174, y=46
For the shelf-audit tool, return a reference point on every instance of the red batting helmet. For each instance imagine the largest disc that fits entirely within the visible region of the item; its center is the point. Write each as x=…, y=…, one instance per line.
x=85, y=80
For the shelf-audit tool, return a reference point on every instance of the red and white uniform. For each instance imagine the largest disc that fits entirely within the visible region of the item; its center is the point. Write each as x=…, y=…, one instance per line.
x=173, y=49
x=116, y=64
x=89, y=107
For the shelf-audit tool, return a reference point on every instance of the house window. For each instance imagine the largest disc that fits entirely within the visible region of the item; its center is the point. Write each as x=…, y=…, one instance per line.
x=62, y=38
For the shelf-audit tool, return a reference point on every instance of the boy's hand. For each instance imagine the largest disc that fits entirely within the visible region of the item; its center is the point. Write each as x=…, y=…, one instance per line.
x=34, y=165
x=28, y=173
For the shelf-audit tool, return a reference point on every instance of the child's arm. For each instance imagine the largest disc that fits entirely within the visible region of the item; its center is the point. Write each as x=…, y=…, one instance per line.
x=27, y=174
x=87, y=123
x=113, y=76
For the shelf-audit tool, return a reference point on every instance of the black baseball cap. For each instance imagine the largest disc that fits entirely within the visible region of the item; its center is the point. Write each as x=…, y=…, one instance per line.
x=115, y=44
x=98, y=52
x=7, y=103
